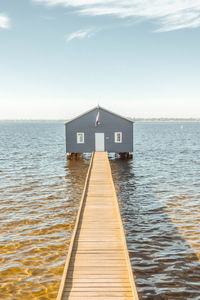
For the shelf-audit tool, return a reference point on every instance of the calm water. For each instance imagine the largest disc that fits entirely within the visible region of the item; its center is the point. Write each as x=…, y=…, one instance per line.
x=159, y=197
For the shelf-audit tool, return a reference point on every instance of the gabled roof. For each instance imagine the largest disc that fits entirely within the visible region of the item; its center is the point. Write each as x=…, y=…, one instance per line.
x=99, y=107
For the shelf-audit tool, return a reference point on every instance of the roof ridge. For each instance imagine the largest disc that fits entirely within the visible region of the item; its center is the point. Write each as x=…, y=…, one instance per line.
x=98, y=107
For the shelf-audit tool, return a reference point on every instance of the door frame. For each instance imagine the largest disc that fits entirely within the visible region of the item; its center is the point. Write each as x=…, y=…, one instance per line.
x=101, y=146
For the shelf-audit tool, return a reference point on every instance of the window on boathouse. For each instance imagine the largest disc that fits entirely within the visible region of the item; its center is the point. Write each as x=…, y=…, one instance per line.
x=118, y=137
x=80, y=137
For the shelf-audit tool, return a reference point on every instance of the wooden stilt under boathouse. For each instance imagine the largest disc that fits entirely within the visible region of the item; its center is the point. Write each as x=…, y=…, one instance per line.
x=98, y=264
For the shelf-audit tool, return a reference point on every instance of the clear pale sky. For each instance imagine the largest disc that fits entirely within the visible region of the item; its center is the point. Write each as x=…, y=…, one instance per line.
x=139, y=58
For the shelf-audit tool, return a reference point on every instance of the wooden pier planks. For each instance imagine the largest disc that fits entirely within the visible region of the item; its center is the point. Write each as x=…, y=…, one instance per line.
x=98, y=265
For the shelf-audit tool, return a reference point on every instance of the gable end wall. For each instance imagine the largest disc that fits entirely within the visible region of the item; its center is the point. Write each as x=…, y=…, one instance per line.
x=109, y=124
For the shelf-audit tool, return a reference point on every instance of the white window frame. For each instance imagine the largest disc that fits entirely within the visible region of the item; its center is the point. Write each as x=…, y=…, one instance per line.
x=79, y=139
x=116, y=135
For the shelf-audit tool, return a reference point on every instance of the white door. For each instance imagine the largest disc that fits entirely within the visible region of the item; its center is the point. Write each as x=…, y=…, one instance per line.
x=99, y=142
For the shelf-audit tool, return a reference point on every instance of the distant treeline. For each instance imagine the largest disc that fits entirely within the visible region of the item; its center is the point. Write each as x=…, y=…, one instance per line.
x=165, y=119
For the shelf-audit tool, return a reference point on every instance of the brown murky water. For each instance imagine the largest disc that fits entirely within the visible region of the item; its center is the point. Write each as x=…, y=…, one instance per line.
x=159, y=197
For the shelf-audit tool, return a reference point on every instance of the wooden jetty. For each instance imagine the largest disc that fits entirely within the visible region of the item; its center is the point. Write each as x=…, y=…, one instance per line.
x=98, y=264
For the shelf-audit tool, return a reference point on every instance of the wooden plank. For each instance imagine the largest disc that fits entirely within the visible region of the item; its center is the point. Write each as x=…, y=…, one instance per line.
x=90, y=285
x=97, y=294
x=89, y=276
x=100, y=297
x=92, y=289
x=99, y=280
x=94, y=271
x=98, y=265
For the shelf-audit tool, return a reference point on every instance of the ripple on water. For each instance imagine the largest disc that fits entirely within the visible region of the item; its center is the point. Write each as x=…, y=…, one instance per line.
x=37, y=210
x=159, y=199
x=160, y=207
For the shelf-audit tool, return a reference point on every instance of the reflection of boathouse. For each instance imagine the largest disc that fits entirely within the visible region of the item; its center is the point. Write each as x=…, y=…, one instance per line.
x=99, y=130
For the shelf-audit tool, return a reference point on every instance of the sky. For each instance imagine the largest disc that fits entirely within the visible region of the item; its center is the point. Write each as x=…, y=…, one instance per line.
x=138, y=58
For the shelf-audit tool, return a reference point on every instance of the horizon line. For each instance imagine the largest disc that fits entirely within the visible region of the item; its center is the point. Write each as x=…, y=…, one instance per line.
x=133, y=118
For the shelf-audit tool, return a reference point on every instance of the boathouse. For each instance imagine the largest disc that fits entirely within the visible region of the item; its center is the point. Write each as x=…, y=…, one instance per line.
x=99, y=130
